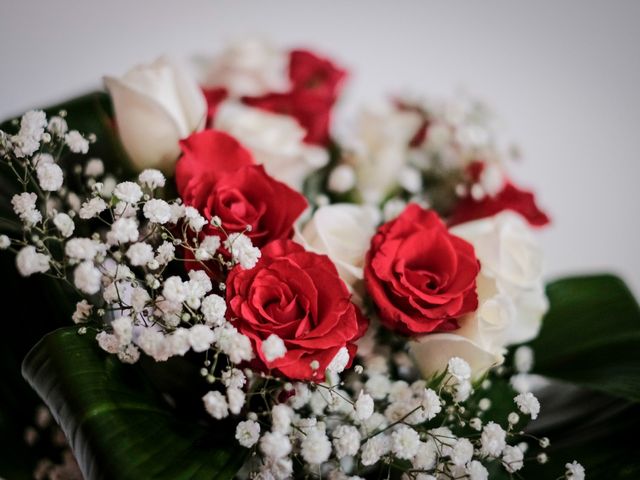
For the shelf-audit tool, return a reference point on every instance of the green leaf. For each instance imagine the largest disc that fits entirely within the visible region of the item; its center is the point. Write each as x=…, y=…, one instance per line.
x=117, y=422
x=591, y=336
x=597, y=430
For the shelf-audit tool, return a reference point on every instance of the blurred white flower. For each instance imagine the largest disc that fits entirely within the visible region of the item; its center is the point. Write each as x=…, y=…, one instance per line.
x=381, y=150
x=250, y=67
x=156, y=105
x=276, y=141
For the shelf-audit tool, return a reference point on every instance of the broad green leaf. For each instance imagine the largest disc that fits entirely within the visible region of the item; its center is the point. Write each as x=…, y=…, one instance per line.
x=591, y=336
x=595, y=429
x=118, y=424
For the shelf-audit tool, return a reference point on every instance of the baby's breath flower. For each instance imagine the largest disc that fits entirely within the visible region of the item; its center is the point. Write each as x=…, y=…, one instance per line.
x=242, y=250
x=273, y=348
x=24, y=205
x=50, y=177
x=528, y=404
x=512, y=459
x=94, y=168
x=5, y=242
x=461, y=452
x=459, y=369
x=123, y=230
x=374, y=448
x=200, y=338
x=81, y=248
x=281, y=416
x=248, y=433
x=86, y=277
x=233, y=378
x=493, y=440
x=426, y=457
x=523, y=359
x=315, y=447
x=27, y=141
x=64, y=224
x=405, y=442
x=233, y=344
x=40, y=159
x=151, y=178
x=339, y=361
x=216, y=405
x=477, y=471
x=236, y=399
x=57, y=126
x=166, y=253
x=194, y=219
x=108, y=342
x=346, y=441
x=275, y=445
x=82, y=312
x=140, y=254
x=364, y=406
x=76, y=142
x=213, y=308
x=575, y=471
x=128, y=192
x=29, y=261
x=157, y=211
x=123, y=330
x=92, y=208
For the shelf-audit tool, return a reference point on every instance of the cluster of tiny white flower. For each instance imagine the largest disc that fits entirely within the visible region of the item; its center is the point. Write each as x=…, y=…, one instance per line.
x=343, y=429
x=392, y=154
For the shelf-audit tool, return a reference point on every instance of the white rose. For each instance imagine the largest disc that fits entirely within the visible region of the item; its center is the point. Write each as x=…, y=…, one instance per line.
x=156, y=105
x=511, y=299
x=381, y=150
x=250, y=67
x=275, y=141
x=343, y=232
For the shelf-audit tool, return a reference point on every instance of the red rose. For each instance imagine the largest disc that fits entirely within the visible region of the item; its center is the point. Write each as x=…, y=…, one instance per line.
x=217, y=176
x=509, y=198
x=420, y=277
x=316, y=83
x=298, y=296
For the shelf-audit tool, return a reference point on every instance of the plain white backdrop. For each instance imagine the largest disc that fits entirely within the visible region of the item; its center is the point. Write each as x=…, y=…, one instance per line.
x=564, y=77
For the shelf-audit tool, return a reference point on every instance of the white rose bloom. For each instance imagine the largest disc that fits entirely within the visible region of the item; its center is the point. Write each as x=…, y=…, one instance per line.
x=250, y=67
x=276, y=141
x=342, y=232
x=383, y=135
x=511, y=299
x=156, y=105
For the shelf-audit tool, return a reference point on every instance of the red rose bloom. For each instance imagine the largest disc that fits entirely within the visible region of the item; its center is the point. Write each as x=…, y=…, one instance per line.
x=420, y=277
x=298, y=296
x=509, y=198
x=316, y=83
x=217, y=176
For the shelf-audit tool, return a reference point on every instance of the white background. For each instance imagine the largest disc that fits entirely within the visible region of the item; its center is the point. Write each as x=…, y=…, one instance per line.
x=564, y=77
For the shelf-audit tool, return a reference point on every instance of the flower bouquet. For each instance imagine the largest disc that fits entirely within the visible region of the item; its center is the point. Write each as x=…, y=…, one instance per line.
x=219, y=284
